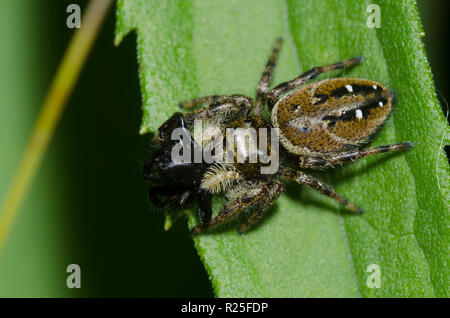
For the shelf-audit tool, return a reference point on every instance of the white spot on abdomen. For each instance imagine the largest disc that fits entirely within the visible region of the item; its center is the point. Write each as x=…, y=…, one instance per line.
x=349, y=88
x=359, y=114
x=381, y=104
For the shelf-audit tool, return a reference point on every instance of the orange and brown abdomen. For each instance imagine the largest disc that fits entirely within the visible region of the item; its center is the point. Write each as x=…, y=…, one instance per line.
x=331, y=116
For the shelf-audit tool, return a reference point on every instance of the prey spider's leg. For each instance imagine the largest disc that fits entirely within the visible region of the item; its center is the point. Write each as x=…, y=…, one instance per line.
x=274, y=94
x=201, y=101
x=170, y=192
x=234, y=207
x=224, y=109
x=184, y=197
x=337, y=159
x=147, y=169
x=276, y=188
x=204, y=207
x=266, y=77
x=316, y=184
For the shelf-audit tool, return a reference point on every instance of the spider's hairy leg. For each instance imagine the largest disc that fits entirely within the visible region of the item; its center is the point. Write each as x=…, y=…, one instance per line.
x=202, y=101
x=276, y=187
x=266, y=77
x=285, y=87
x=147, y=169
x=337, y=159
x=234, y=207
x=221, y=109
x=316, y=184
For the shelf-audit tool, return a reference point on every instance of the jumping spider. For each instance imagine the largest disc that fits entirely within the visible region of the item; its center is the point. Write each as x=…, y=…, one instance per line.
x=319, y=125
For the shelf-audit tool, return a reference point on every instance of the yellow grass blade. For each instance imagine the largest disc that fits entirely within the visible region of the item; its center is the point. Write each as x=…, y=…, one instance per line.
x=55, y=100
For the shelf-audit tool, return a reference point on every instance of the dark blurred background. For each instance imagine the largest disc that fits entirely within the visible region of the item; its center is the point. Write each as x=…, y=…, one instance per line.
x=88, y=202
x=434, y=14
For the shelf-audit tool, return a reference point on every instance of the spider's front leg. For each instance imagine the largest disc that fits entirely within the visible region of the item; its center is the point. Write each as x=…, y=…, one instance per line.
x=338, y=159
x=220, y=109
x=316, y=184
x=274, y=94
x=276, y=187
x=234, y=207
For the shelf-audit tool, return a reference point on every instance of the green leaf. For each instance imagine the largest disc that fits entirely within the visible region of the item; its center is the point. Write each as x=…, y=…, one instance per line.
x=308, y=246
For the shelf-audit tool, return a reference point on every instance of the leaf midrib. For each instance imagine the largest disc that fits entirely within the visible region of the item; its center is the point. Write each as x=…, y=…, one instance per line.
x=341, y=218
